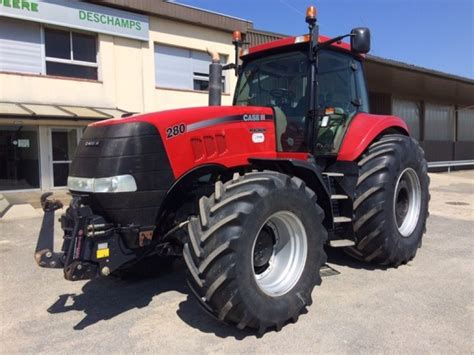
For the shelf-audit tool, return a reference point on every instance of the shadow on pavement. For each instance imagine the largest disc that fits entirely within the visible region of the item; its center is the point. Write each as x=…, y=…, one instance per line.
x=192, y=313
x=338, y=257
x=105, y=298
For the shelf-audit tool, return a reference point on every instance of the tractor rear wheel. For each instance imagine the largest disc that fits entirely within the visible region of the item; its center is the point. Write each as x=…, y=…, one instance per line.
x=255, y=251
x=391, y=201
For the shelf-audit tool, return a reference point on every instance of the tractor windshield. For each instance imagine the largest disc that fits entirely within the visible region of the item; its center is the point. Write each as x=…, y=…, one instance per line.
x=282, y=82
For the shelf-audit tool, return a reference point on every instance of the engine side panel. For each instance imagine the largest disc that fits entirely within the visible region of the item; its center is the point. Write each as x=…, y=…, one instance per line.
x=362, y=131
x=222, y=135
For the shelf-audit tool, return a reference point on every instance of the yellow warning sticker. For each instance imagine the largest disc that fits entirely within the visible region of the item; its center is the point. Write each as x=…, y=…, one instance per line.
x=102, y=253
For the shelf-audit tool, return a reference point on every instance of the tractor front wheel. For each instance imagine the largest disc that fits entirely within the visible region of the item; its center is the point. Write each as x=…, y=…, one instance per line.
x=255, y=251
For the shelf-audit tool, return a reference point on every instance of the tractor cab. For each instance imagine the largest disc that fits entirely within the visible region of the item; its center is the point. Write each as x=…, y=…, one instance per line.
x=282, y=81
x=314, y=84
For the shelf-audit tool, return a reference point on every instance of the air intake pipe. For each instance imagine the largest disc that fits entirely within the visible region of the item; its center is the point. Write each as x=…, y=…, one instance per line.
x=215, y=79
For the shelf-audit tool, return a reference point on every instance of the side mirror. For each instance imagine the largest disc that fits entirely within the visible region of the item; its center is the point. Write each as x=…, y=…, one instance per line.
x=360, y=40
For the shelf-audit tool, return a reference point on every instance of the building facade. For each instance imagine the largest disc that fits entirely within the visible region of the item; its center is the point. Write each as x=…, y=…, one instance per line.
x=65, y=64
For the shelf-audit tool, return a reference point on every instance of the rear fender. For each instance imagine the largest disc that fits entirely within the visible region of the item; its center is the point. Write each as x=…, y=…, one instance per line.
x=364, y=129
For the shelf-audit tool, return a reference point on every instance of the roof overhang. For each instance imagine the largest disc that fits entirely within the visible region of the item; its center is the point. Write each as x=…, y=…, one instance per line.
x=391, y=77
x=62, y=112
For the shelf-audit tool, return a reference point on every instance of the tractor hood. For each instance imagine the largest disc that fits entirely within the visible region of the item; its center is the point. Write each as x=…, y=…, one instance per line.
x=186, y=137
x=201, y=135
x=195, y=118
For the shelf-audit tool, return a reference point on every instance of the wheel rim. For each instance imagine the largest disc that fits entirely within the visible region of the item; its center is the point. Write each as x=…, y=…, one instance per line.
x=279, y=253
x=407, y=202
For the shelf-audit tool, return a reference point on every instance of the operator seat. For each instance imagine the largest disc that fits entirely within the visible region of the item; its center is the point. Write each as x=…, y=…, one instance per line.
x=281, y=122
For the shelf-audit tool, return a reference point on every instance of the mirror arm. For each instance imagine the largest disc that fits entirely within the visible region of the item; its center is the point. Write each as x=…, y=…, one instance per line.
x=229, y=66
x=333, y=40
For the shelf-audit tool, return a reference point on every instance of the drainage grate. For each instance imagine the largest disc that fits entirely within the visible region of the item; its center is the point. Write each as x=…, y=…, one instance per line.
x=457, y=203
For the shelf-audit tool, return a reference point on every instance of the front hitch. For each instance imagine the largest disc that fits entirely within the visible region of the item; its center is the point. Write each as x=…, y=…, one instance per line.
x=91, y=246
x=44, y=255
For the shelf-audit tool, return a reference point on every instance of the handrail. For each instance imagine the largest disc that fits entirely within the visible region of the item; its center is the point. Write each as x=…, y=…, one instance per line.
x=450, y=163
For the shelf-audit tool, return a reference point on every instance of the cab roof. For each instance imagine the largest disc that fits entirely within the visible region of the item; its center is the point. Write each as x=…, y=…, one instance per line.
x=290, y=41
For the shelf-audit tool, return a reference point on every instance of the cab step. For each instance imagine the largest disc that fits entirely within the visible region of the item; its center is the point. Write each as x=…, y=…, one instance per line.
x=331, y=174
x=339, y=197
x=341, y=219
x=341, y=243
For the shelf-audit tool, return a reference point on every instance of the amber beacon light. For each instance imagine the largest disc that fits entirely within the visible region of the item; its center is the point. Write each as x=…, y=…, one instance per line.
x=311, y=14
x=236, y=37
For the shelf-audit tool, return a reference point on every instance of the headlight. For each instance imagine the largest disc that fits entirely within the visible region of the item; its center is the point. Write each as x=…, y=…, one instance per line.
x=120, y=183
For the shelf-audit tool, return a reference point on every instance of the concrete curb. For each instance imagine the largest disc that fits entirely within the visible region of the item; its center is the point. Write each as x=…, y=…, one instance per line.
x=4, y=205
x=21, y=211
x=26, y=204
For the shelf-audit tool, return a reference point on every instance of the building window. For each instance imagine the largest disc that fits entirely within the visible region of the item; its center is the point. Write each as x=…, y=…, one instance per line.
x=70, y=54
x=180, y=68
x=201, y=82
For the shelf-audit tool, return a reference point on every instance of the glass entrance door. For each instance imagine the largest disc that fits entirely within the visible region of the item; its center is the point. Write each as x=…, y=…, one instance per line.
x=19, y=164
x=63, y=144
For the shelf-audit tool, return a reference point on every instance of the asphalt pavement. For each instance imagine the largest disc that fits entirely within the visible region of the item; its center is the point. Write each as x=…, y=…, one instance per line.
x=424, y=306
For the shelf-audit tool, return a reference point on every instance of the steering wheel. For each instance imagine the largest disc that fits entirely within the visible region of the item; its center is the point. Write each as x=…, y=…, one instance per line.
x=282, y=95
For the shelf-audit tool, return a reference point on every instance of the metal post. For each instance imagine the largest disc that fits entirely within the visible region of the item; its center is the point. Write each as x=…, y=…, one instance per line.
x=312, y=121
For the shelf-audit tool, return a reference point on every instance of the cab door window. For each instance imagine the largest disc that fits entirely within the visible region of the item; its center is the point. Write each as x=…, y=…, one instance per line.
x=341, y=83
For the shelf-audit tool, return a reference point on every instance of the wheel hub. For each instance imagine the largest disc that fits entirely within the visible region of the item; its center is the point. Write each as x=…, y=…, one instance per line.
x=279, y=253
x=263, y=250
x=402, y=203
x=407, y=202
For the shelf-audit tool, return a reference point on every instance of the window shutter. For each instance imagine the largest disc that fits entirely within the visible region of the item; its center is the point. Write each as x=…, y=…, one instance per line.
x=201, y=62
x=173, y=67
x=20, y=46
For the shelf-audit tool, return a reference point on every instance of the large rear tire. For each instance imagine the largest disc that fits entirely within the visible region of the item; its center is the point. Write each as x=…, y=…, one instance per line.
x=255, y=251
x=391, y=201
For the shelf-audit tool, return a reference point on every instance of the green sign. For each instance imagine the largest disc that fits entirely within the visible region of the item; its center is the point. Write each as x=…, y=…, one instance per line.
x=20, y=4
x=109, y=20
x=79, y=15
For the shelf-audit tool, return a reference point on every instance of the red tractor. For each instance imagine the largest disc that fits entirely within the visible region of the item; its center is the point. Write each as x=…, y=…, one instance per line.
x=249, y=195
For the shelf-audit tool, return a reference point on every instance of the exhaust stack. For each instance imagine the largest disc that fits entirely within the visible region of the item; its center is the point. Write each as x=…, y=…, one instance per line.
x=215, y=79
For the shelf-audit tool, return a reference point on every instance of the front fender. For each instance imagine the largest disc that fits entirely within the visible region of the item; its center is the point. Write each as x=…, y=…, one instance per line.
x=362, y=131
